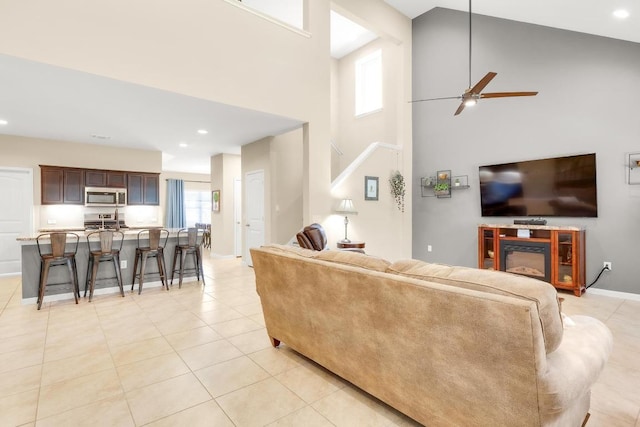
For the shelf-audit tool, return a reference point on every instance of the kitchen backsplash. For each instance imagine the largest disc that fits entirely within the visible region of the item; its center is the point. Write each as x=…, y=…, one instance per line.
x=72, y=216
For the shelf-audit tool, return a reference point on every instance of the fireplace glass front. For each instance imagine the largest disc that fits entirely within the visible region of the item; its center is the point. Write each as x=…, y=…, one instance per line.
x=527, y=258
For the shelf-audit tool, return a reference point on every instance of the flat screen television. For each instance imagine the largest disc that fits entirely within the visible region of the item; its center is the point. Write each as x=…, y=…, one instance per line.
x=555, y=187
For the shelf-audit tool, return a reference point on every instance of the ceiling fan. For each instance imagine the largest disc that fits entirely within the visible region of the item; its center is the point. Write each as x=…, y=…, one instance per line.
x=474, y=93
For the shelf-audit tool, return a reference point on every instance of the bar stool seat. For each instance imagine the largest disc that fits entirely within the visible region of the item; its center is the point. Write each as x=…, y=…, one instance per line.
x=190, y=241
x=104, y=245
x=157, y=240
x=58, y=255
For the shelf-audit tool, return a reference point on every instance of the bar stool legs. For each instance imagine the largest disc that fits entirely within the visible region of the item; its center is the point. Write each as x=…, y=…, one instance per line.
x=182, y=252
x=103, y=245
x=194, y=238
x=58, y=255
x=92, y=273
x=157, y=240
x=141, y=256
x=45, y=264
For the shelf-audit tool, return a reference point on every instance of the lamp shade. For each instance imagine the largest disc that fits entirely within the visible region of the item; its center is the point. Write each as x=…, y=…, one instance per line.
x=346, y=207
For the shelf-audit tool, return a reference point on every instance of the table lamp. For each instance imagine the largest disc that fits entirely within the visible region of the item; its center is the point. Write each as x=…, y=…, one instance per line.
x=346, y=208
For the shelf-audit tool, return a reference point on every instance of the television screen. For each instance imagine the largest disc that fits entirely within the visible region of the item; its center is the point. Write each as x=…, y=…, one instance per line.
x=560, y=186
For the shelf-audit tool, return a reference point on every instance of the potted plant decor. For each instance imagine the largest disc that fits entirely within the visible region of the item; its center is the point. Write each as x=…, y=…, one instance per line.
x=396, y=183
x=441, y=189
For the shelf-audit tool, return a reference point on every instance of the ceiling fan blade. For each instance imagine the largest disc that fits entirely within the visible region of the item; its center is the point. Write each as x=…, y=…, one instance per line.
x=460, y=108
x=435, y=99
x=482, y=83
x=506, y=94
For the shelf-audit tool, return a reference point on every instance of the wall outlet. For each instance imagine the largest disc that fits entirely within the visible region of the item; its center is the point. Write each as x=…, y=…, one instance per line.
x=607, y=265
x=123, y=264
x=429, y=248
x=51, y=221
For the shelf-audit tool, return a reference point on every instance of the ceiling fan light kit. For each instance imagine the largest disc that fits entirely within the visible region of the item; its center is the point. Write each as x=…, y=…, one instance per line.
x=472, y=95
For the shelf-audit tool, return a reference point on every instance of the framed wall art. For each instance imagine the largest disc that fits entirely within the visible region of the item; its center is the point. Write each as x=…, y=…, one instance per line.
x=215, y=200
x=371, y=189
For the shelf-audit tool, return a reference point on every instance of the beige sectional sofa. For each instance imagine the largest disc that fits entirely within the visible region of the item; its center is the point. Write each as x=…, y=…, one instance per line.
x=447, y=346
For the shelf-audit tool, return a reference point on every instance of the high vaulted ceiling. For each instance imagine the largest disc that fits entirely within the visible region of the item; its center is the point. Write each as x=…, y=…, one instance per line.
x=38, y=100
x=585, y=16
x=43, y=101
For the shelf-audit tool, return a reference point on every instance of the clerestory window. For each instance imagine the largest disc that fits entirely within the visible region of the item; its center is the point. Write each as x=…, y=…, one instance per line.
x=369, y=83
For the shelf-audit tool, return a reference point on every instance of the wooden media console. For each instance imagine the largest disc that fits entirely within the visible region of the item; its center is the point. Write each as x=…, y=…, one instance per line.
x=553, y=254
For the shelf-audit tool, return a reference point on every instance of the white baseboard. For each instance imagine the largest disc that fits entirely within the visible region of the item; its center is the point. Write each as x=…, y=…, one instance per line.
x=105, y=291
x=614, y=294
x=17, y=273
x=220, y=256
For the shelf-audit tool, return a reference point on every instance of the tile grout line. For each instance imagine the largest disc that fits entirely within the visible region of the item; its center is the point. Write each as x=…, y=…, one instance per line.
x=44, y=349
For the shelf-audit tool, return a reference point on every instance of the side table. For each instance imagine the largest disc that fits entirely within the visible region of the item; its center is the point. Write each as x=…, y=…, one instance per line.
x=351, y=245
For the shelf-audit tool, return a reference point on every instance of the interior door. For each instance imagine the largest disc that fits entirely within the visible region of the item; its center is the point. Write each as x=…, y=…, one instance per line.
x=16, y=216
x=237, y=217
x=254, y=210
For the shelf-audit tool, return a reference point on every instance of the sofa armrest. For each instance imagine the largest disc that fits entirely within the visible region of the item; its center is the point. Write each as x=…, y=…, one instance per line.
x=574, y=367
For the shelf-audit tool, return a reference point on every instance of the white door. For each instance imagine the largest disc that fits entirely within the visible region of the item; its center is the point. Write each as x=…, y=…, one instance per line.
x=254, y=211
x=237, y=216
x=16, y=216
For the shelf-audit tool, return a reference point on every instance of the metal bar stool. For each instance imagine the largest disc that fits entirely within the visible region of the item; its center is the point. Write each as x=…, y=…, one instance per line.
x=189, y=242
x=157, y=240
x=206, y=239
x=207, y=236
x=104, y=245
x=58, y=255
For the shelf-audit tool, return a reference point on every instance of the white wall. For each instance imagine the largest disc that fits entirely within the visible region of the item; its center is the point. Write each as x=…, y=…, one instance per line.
x=224, y=169
x=385, y=230
x=286, y=173
x=212, y=50
x=354, y=133
x=218, y=51
x=32, y=152
x=584, y=105
x=288, y=11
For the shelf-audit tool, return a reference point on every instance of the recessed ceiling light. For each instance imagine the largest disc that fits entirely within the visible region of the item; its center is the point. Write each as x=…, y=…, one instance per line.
x=3, y=122
x=203, y=131
x=621, y=13
x=183, y=144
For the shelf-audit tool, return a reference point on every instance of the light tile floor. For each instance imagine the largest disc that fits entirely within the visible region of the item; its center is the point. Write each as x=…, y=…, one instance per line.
x=200, y=356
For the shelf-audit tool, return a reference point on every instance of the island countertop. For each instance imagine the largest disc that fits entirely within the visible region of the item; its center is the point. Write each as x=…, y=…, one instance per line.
x=106, y=281
x=129, y=233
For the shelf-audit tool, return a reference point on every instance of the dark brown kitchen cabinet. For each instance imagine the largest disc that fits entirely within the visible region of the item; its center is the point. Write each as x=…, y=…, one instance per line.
x=143, y=189
x=95, y=178
x=51, y=185
x=62, y=186
x=100, y=178
x=116, y=179
x=73, y=188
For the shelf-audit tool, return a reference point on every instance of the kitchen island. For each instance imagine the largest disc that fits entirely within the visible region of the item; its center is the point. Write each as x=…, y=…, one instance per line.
x=59, y=286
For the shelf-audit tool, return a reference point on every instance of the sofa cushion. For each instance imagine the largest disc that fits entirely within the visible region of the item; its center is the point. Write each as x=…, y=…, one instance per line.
x=543, y=294
x=355, y=259
x=307, y=253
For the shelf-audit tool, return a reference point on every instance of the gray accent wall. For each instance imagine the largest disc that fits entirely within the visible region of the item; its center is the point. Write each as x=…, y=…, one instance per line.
x=588, y=101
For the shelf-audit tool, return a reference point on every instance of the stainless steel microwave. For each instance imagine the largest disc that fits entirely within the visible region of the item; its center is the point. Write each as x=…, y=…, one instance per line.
x=114, y=197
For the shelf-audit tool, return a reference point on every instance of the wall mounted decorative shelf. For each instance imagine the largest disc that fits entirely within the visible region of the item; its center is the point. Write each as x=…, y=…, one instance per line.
x=442, y=183
x=633, y=163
